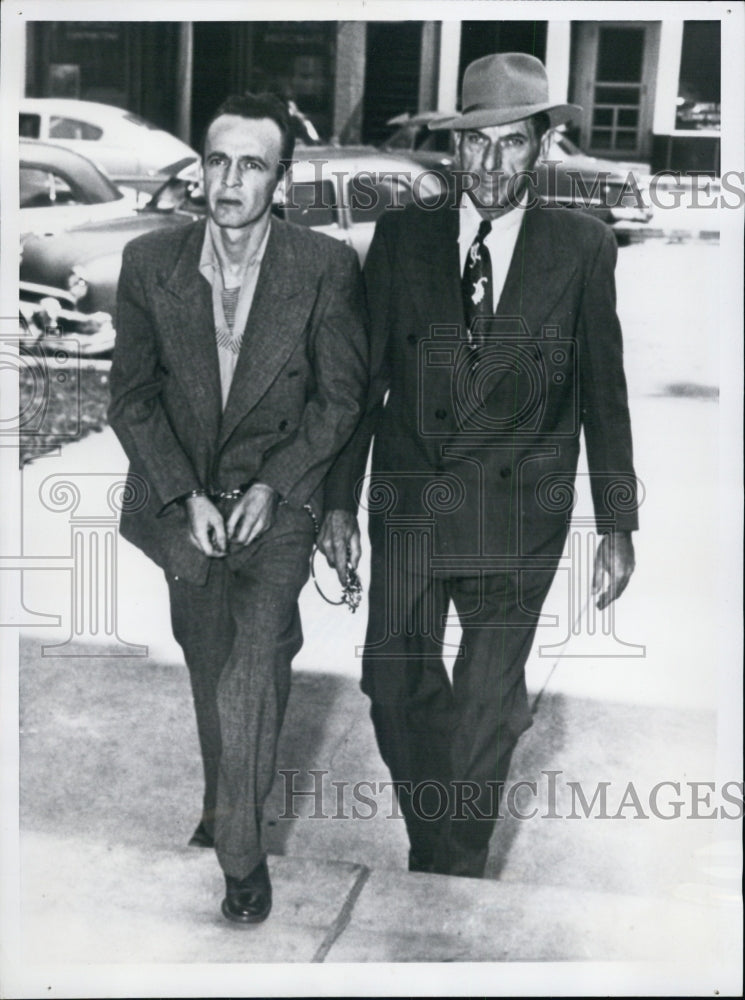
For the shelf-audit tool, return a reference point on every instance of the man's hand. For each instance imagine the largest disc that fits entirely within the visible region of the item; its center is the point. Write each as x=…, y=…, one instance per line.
x=614, y=559
x=206, y=526
x=253, y=514
x=339, y=540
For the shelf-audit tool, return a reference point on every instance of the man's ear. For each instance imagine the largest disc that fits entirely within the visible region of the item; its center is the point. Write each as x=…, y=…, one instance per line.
x=283, y=184
x=457, y=147
x=545, y=144
x=280, y=192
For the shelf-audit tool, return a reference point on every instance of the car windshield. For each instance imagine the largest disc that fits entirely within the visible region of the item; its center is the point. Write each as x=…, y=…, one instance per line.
x=565, y=144
x=178, y=193
x=419, y=137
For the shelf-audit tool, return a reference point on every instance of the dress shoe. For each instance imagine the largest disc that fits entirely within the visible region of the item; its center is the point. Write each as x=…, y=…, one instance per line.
x=420, y=864
x=248, y=900
x=202, y=837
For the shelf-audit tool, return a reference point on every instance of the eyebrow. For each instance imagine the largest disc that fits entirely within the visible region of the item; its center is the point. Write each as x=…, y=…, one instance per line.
x=510, y=135
x=247, y=156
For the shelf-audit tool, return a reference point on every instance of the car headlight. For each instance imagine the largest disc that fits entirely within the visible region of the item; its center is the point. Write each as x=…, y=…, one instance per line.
x=47, y=316
x=77, y=283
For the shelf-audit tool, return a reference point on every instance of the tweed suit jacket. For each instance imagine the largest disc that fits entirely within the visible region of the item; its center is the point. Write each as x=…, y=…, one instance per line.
x=484, y=446
x=296, y=395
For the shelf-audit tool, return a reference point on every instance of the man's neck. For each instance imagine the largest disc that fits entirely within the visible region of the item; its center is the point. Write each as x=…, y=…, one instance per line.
x=498, y=211
x=492, y=214
x=235, y=248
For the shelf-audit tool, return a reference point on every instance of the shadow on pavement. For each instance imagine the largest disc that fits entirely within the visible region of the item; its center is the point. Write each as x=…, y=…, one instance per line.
x=109, y=746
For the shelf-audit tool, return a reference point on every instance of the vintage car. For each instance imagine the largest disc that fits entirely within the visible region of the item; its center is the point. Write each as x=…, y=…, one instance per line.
x=68, y=281
x=59, y=189
x=606, y=188
x=131, y=150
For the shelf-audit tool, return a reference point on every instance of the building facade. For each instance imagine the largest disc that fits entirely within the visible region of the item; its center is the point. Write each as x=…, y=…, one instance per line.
x=650, y=90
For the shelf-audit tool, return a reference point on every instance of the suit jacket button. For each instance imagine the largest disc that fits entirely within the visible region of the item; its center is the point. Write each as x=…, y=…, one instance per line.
x=283, y=425
x=411, y=339
x=505, y=472
x=441, y=414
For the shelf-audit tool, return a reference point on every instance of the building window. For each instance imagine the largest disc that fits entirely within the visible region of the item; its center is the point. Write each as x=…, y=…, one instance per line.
x=699, y=83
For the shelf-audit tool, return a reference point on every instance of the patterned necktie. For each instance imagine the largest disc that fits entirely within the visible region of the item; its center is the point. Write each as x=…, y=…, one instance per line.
x=477, y=285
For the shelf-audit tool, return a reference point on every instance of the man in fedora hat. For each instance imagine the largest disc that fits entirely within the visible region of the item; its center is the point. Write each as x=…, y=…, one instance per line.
x=496, y=340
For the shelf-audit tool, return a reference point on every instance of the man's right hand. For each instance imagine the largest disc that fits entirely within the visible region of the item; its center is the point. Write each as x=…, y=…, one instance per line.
x=206, y=526
x=339, y=540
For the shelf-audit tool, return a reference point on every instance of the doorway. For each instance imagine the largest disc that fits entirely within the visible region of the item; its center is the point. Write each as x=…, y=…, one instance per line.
x=615, y=71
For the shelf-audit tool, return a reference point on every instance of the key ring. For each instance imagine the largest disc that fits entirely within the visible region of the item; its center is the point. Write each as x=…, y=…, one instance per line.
x=352, y=592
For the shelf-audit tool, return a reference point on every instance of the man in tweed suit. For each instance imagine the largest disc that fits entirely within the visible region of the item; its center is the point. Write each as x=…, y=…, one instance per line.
x=238, y=375
x=494, y=341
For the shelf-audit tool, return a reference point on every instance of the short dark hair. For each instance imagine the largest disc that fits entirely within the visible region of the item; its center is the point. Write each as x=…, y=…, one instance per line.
x=263, y=105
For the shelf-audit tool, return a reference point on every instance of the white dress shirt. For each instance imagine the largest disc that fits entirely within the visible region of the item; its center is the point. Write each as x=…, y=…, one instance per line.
x=500, y=242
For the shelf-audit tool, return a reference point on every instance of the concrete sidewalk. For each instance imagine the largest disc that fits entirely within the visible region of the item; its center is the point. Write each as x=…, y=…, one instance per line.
x=110, y=792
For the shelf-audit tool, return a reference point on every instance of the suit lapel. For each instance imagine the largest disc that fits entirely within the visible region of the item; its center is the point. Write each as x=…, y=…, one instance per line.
x=189, y=328
x=539, y=272
x=434, y=265
x=277, y=319
x=432, y=284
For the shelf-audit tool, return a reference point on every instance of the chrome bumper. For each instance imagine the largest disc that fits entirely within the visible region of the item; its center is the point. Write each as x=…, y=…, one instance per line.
x=49, y=321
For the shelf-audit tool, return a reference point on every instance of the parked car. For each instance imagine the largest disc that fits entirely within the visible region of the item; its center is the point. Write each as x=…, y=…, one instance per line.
x=129, y=148
x=60, y=189
x=68, y=281
x=571, y=178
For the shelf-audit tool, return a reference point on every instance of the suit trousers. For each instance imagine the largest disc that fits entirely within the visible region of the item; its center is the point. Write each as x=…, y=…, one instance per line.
x=448, y=747
x=239, y=633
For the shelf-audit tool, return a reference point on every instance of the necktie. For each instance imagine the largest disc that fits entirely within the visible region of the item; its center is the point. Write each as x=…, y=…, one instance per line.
x=477, y=285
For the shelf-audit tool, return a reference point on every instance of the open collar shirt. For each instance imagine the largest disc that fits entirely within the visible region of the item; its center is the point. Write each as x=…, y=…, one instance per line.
x=229, y=336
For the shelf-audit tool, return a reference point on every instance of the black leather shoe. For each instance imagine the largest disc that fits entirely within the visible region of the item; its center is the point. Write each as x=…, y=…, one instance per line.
x=248, y=900
x=420, y=864
x=202, y=837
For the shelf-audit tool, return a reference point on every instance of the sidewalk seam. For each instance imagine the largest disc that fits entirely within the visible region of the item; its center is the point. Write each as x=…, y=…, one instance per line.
x=344, y=916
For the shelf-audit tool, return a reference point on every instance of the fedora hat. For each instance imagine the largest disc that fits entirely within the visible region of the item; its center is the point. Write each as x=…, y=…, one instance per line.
x=504, y=88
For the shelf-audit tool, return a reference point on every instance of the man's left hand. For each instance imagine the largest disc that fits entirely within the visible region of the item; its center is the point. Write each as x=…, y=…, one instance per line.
x=253, y=514
x=614, y=560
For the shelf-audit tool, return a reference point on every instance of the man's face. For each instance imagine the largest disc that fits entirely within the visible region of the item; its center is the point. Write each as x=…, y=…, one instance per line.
x=495, y=155
x=241, y=169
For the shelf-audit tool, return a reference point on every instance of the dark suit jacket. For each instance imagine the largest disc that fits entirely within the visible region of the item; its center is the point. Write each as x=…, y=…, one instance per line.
x=500, y=439
x=296, y=395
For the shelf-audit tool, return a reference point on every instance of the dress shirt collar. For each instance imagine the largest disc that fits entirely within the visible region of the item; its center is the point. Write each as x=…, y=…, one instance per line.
x=470, y=220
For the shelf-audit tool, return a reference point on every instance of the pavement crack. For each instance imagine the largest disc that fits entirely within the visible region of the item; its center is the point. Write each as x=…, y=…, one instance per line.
x=344, y=915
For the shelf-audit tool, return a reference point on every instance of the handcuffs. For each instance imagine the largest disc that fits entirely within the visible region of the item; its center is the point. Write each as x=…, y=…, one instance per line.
x=352, y=591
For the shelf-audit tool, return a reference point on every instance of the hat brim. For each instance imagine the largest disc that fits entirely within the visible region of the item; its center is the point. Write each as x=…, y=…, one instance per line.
x=558, y=114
